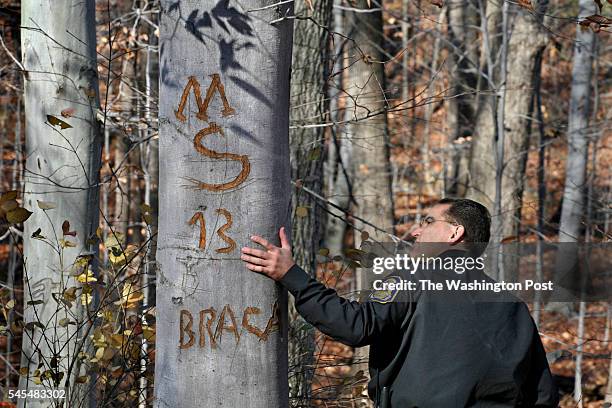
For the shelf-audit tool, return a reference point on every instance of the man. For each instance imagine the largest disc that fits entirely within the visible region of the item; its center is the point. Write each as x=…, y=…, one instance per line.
x=427, y=350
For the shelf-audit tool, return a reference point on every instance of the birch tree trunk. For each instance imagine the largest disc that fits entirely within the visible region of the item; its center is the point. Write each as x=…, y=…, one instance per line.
x=62, y=170
x=224, y=176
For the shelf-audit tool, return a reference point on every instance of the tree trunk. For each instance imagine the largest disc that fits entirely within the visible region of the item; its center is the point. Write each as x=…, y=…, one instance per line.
x=573, y=207
x=463, y=86
x=224, y=176
x=527, y=41
x=308, y=106
x=62, y=168
x=368, y=133
x=368, y=128
x=337, y=170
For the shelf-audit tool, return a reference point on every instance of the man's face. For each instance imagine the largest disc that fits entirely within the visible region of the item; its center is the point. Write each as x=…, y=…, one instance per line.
x=437, y=227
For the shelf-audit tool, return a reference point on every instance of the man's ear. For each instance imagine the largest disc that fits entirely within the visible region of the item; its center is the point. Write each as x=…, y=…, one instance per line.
x=458, y=234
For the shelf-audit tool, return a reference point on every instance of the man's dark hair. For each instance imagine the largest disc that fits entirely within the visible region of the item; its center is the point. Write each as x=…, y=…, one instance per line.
x=474, y=217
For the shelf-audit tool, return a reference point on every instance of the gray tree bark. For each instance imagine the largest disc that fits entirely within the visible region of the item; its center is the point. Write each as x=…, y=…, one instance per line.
x=573, y=208
x=574, y=193
x=224, y=176
x=368, y=126
x=337, y=167
x=62, y=169
x=527, y=40
x=368, y=133
x=308, y=106
x=462, y=20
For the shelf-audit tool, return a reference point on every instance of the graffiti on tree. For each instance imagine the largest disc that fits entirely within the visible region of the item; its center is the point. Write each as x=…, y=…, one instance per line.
x=225, y=322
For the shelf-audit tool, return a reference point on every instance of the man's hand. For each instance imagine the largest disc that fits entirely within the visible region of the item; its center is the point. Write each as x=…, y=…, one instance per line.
x=274, y=262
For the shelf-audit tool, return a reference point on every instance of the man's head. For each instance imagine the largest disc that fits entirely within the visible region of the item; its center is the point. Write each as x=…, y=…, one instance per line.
x=456, y=220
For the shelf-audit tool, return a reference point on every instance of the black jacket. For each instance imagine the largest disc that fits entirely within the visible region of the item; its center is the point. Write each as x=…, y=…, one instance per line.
x=446, y=352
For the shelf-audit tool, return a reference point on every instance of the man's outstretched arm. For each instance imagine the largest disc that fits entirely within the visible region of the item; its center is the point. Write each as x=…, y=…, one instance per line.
x=355, y=324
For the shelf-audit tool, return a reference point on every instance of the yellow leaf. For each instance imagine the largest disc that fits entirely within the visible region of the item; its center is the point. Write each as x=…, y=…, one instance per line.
x=118, y=258
x=149, y=333
x=23, y=371
x=100, y=353
x=36, y=380
x=82, y=379
x=10, y=304
x=301, y=212
x=115, y=239
x=86, y=277
x=64, y=243
x=85, y=299
x=116, y=340
x=18, y=215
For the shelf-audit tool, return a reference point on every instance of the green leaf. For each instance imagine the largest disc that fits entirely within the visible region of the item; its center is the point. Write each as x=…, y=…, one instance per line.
x=18, y=215
x=53, y=121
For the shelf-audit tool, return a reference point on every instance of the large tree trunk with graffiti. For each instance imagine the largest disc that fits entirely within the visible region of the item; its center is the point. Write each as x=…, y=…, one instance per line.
x=63, y=145
x=224, y=176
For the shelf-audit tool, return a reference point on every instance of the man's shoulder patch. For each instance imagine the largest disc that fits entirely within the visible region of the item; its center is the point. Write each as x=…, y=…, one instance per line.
x=385, y=296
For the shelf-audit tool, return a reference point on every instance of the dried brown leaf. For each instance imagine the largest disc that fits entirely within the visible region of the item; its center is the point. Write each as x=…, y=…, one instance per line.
x=68, y=112
x=53, y=121
x=66, y=229
x=18, y=215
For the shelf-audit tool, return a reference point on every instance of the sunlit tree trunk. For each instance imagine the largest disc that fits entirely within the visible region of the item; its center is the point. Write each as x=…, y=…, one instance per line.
x=526, y=41
x=59, y=55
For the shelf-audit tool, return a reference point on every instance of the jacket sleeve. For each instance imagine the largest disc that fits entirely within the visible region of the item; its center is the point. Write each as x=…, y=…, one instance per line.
x=352, y=323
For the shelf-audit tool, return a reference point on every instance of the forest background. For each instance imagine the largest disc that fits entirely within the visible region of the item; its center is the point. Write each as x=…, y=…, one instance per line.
x=393, y=106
